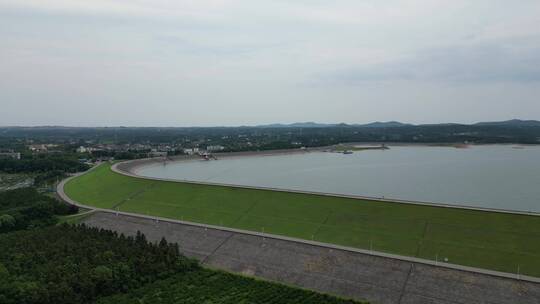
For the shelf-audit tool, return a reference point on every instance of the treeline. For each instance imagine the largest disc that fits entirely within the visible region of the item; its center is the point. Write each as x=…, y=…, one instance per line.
x=125, y=155
x=207, y=286
x=78, y=264
x=40, y=165
x=509, y=132
x=48, y=177
x=26, y=208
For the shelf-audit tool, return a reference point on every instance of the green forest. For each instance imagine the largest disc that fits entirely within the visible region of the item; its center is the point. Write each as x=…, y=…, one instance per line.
x=206, y=286
x=78, y=264
x=27, y=208
x=44, y=169
x=46, y=164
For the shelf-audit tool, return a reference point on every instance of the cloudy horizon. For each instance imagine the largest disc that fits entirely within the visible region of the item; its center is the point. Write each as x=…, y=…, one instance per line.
x=230, y=63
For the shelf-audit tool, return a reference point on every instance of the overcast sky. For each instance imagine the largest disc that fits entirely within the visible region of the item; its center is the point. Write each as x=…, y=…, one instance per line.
x=205, y=63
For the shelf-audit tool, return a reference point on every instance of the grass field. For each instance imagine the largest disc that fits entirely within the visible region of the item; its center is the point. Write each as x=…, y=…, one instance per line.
x=497, y=241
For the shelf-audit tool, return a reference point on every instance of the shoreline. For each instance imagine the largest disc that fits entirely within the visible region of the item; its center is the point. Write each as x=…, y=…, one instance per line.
x=129, y=169
x=134, y=164
x=442, y=145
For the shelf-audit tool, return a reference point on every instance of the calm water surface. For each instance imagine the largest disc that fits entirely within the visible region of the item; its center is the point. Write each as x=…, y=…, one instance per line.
x=482, y=176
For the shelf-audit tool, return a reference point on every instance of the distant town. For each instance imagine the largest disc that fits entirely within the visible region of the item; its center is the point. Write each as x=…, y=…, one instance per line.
x=130, y=142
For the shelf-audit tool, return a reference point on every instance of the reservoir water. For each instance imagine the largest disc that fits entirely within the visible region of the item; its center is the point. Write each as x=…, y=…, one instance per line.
x=491, y=176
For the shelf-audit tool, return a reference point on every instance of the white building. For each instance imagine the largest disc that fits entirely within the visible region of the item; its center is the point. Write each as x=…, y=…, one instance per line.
x=14, y=155
x=37, y=148
x=215, y=148
x=191, y=151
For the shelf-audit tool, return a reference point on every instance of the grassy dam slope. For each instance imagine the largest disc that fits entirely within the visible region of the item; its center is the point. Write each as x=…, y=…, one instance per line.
x=497, y=241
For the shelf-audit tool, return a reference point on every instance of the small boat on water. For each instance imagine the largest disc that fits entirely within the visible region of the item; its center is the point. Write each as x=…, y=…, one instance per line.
x=347, y=152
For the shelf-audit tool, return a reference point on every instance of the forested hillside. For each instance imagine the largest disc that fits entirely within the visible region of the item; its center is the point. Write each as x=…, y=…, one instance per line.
x=40, y=165
x=77, y=264
x=206, y=286
x=26, y=208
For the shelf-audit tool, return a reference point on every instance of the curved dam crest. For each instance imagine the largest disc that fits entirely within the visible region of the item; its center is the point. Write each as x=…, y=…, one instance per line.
x=501, y=177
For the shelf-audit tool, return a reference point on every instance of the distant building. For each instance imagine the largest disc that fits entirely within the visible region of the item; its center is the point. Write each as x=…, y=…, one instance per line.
x=166, y=148
x=14, y=155
x=215, y=148
x=82, y=149
x=157, y=154
x=37, y=148
x=191, y=151
x=41, y=147
x=140, y=147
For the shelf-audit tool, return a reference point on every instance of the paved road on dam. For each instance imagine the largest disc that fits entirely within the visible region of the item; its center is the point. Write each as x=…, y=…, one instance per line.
x=340, y=272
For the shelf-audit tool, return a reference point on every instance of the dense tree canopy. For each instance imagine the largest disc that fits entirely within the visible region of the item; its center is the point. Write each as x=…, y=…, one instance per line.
x=215, y=287
x=26, y=208
x=47, y=164
x=77, y=264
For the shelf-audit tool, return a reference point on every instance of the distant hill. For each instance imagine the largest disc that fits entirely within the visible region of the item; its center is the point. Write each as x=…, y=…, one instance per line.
x=511, y=123
x=387, y=124
x=282, y=136
x=377, y=124
x=518, y=123
x=397, y=124
x=308, y=124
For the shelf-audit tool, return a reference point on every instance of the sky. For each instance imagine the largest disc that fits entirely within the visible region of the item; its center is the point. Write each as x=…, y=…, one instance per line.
x=229, y=63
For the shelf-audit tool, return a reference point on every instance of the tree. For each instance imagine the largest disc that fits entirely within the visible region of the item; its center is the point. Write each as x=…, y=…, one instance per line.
x=7, y=222
x=102, y=275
